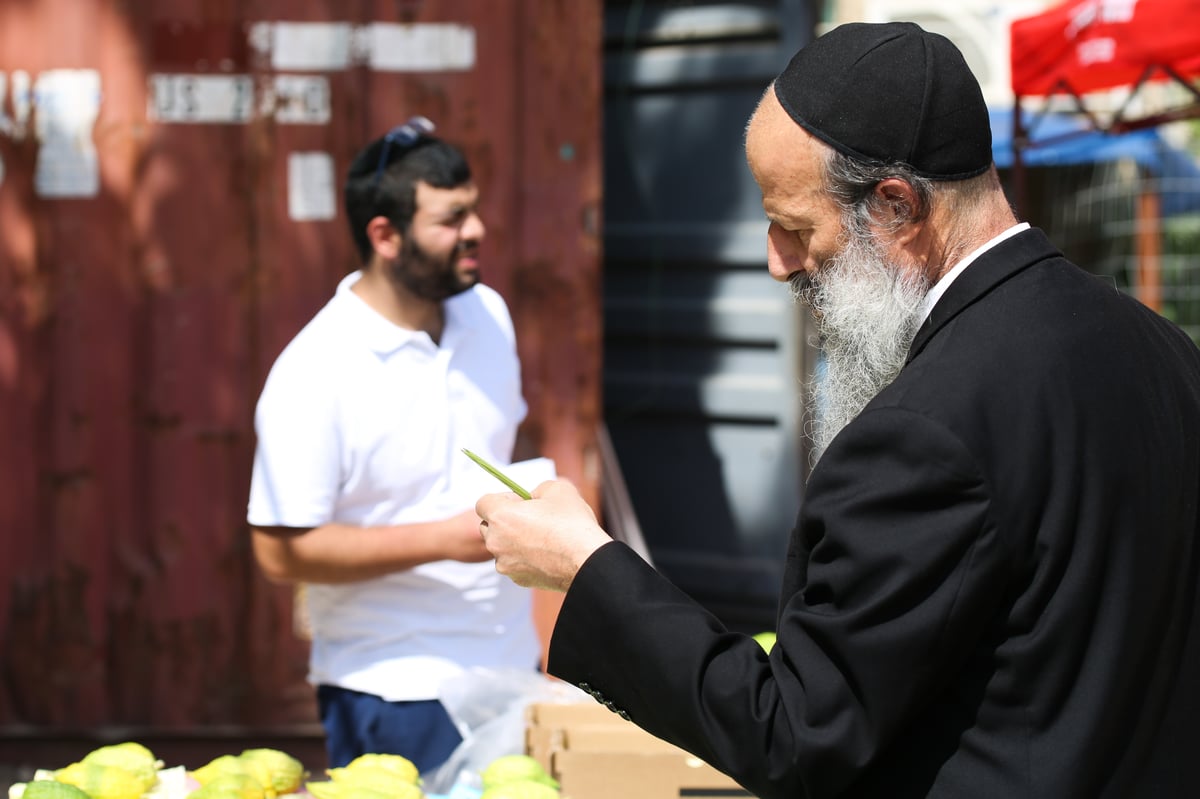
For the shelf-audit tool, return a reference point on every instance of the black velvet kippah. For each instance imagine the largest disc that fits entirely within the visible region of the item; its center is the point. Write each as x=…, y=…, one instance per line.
x=891, y=92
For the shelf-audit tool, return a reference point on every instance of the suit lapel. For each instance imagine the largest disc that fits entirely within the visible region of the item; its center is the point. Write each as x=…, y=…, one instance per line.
x=992, y=268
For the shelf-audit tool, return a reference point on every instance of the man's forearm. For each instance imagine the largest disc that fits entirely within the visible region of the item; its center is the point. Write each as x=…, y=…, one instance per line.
x=343, y=553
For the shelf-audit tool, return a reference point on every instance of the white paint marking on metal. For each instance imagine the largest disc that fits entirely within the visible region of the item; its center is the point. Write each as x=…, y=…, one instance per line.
x=310, y=46
x=297, y=100
x=67, y=103
x=383, y=46
x=421, y=48
x=208, y=99
x=311, y=187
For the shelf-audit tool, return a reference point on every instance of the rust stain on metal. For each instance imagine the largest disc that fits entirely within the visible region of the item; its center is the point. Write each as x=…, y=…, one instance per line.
x=137, y=323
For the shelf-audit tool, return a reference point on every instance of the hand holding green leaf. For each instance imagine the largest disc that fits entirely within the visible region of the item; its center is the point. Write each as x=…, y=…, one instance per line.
x=499, y=475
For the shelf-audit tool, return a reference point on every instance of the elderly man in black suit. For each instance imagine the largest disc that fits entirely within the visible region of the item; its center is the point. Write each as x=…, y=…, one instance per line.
x=992, y=586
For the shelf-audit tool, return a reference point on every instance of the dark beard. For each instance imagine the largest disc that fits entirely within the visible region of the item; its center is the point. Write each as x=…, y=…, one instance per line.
x=427, y=276
x=867, y=313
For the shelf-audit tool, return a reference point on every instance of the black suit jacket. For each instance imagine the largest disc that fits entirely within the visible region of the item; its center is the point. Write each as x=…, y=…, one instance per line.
x=992, y=586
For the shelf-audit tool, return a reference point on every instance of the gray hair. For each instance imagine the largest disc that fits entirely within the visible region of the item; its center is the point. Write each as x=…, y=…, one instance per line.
x=850, y=182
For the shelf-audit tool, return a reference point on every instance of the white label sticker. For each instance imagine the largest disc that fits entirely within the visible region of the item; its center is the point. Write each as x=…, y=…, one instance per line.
x=385, y=46
x=311, y=186
x=420, y=48
x=212, y=99
x=66, y=102
x=310, y=46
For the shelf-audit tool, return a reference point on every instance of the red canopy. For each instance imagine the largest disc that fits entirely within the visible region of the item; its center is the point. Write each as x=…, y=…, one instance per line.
x=1082, y=46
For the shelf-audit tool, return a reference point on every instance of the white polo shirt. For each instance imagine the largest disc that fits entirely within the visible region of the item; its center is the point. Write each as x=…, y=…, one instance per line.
x=363, y=422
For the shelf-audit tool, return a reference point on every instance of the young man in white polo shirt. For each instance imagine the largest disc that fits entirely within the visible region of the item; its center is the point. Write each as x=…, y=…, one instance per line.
x=360, y=489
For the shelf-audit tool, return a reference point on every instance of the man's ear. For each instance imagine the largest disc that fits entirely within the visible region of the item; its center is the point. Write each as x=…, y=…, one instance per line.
x=898, y=208
x=384, y=237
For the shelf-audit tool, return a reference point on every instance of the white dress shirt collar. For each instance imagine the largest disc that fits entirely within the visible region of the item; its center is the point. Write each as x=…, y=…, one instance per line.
x=940, y=287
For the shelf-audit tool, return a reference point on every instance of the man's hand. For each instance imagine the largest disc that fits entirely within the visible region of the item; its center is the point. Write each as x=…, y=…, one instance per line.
x=540, y=542
x=344, y=553
x=462, y=541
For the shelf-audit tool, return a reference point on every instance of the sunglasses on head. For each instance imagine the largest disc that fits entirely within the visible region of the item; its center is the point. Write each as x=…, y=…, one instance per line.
x=402, y=137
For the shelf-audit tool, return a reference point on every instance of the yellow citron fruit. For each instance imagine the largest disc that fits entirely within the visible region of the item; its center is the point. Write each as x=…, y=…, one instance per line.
x=515, y=768
x=520, y=789
x=276, y=770
x=224, y=764
x=405, y=790
x=131, y=756
x=99, y=781
x=374, y=778
x=325, y=789
x=328, y=789
x=233, y=766
x=231, y=775
x=129, y=749
x=230, y=785
x=215, y=790
x=397, y=764
x=52, y=789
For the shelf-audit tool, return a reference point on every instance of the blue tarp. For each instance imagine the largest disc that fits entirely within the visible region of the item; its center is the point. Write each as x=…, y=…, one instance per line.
x=1177, y=170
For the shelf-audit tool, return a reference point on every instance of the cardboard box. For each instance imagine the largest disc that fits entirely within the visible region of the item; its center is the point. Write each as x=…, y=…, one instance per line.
x=640, y=775
x=595, y=754
x=546, y=725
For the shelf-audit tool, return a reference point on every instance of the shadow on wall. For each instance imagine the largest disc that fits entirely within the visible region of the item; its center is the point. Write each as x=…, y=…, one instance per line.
x=702, y=366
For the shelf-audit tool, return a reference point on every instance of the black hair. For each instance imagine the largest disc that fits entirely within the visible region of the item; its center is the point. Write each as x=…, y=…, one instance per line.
x=392, y=192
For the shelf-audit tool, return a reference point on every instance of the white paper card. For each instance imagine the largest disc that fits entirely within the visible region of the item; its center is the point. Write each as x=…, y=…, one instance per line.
x=527, y=474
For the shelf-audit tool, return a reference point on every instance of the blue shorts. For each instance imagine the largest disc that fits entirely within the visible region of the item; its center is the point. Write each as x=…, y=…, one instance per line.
x=358, y=724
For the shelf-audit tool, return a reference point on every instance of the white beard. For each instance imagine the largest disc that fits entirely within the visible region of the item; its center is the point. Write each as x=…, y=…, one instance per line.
x=867, y=312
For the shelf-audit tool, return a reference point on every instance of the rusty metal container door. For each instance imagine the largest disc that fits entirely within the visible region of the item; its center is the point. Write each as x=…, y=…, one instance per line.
x=170, y=177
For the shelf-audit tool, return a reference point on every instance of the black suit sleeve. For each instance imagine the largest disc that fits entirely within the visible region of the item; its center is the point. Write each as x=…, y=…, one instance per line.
x=894, y=572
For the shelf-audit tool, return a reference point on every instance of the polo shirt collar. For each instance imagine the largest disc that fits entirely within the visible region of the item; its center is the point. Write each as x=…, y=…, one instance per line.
x=380, y=336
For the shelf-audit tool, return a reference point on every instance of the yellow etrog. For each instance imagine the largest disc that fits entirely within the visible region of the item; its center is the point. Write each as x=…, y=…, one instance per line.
x=52, y=789
x=229, y=785
x=375, y=778
x=278, y=771
x=515, y=768
x=221, y=766
x=131, y=756
x=100, y=781
x=328, y=789
x=520, y=789
x=401, y=766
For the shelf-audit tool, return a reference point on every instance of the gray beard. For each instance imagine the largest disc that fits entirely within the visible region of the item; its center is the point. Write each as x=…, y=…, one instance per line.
x=867, y=312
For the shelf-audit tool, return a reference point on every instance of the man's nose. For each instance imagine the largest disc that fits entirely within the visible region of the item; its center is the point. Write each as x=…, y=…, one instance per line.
x=473, y=228
x=783, y=258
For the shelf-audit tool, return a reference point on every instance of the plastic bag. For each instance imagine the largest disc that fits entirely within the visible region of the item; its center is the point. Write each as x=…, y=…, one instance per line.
x=488, y=707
